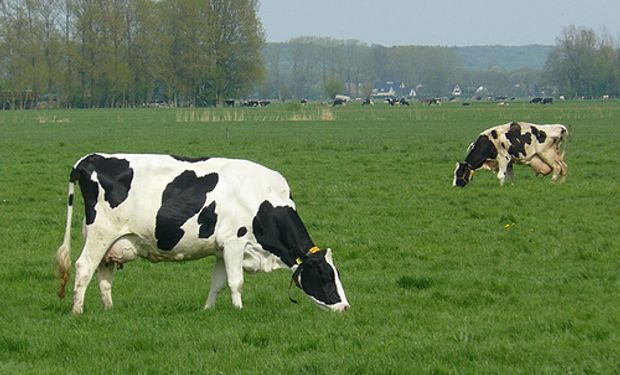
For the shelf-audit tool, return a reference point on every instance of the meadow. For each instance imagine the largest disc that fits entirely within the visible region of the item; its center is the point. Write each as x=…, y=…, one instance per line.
x=520, y=279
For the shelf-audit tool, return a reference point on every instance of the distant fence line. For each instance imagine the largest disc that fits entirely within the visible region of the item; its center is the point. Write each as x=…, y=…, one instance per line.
x=250, y=115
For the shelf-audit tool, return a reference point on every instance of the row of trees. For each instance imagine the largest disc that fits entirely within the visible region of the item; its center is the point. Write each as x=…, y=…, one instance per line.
x=584, y=64
x=581, y=64
x=105, y=53
x=307, y=67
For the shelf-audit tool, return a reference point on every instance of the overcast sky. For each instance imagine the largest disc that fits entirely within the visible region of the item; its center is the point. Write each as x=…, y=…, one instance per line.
x=437, y=22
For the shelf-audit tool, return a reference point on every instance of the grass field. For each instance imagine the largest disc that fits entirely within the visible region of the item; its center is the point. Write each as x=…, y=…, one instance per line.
x=522, y=279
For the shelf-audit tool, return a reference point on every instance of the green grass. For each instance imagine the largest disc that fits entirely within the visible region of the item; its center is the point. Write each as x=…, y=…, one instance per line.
x=437, y=282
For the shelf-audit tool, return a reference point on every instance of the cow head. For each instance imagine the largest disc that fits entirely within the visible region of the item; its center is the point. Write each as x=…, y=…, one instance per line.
x=317, y=276
x=463, y=174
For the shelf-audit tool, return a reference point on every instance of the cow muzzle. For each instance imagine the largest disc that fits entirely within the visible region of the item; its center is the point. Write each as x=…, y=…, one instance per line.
x=340, y=307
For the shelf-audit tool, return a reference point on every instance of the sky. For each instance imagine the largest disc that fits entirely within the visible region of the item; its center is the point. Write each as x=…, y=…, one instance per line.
x=437, y=22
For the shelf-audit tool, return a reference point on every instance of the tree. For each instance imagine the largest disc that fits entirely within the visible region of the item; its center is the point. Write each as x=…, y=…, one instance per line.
x=582, y=64
x=235, y=38
x=333, y=87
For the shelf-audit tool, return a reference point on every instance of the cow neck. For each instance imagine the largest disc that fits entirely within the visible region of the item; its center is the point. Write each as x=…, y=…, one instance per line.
x=482, y=150
x=280, y=231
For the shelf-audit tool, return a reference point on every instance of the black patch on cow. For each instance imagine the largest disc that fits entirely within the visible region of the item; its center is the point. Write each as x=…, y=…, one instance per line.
x=207, y=220
x=242, y=231
x=191, y=159
x=517, y=140
x=280, y=231
x=182, y=198
x=539, y=134
x=494, y=134
x=113, y=174
x=318, y=279
x=482, y=150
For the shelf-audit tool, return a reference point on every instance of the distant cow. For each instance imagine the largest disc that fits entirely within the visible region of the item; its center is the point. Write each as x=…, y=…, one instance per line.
x=256, y=103
x=368, y=101
x=547, y=101
x=339, y=101
x=229, y=102
x=431, y=101
x=403, y=101
x=169, y=208
x=536, y=100
x=251, y=103
x=497, y=148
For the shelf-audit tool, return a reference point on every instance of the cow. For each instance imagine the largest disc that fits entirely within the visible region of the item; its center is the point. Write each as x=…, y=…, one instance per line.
x=539, y=146
x=536, y=100
x=339, y=101
x=392, y=101
x=171, y=208
x=547, y=101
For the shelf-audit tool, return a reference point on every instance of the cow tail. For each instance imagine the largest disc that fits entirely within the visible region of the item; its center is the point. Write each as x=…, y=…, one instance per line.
x=63, y=254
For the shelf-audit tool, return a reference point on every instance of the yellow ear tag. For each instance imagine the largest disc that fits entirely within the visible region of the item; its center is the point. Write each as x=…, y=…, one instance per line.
x=314, y=250
x=298, y=260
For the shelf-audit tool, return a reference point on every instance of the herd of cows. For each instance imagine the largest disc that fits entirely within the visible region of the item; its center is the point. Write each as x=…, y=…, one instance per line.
x=172, y=208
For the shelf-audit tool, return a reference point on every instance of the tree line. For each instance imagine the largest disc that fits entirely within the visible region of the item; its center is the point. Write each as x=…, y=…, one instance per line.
x=581, y=64
x=109, y=53
x=307, y=67
x=584, y=64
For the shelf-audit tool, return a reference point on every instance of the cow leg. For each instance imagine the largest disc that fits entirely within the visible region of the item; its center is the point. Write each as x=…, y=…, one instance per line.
x=85, y=267
x=510, y=174
x=502, y=166
x=563, y=169
x=105, y=276
x=233, y=260
x=218, y=279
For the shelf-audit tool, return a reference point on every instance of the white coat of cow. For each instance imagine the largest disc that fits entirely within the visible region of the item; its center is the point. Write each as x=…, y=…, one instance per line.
x=168, y=208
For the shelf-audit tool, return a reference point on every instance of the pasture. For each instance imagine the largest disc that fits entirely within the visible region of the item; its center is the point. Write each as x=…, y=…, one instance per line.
x=482, y=280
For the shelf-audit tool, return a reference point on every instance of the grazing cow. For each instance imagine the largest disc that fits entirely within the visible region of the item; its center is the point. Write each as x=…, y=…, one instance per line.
x=547, y=101
x=169, y=208
x=368, y=101
x=229, y=102
x=497, y=148
x=432, y=101
x=403, y=101
x=391, y=101
x=339, y=101
x=536, y=100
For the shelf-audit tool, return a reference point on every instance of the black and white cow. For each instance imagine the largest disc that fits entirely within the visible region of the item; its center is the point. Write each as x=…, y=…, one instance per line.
x=498, y=148
x=169, y=208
